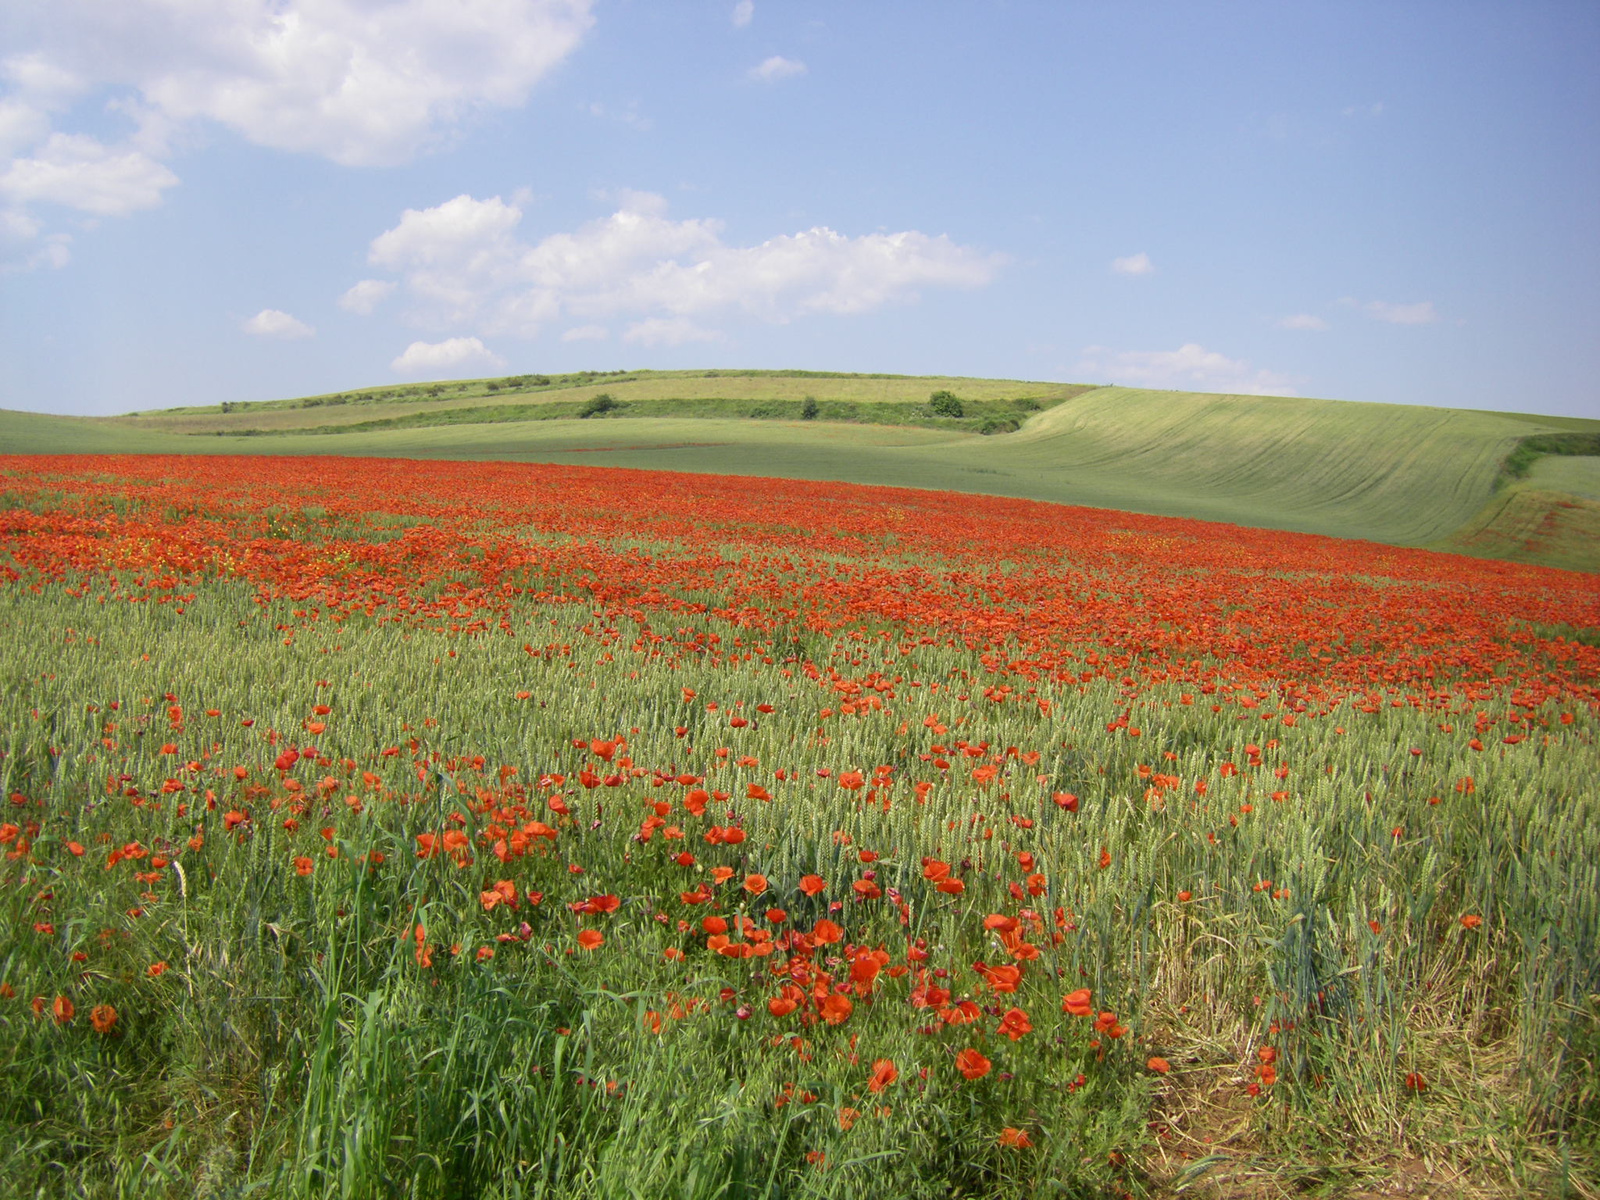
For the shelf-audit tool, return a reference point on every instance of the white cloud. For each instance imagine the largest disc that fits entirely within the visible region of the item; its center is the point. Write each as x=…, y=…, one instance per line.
x=586, y=333
x=464, y=264
x=1421, y=313
x=627, y=115
x=366, y=296
x=22, y=248
x=80, y=172
x=1191, y=367
x=1134, y=264
x=21, y=125
x=432, y=359
x=355, y=81
x=1363, y=110
x=668, y=331
x=1302, y=321
x=743, y=12
x=777, y=67
x=272, y=323
x=45, y=82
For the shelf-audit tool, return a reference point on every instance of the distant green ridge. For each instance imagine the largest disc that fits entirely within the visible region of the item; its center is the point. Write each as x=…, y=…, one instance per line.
x=1459, y=479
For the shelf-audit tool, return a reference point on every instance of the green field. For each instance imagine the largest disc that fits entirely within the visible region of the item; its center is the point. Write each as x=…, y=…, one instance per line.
x=1410, y=475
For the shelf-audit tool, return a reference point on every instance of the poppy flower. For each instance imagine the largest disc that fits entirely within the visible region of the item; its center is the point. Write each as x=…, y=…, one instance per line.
x=103, y=1017
x=884, y=1073
x=827, y=932
x=755, y=884
x=1078, y=1003
x=1010, y=1136
x=1014, y=1023
x=304, y=865
x=812, y=884
x=1159, y=1065
x=835, y=1009
x=591, y=939
x=63, y=1010
x=1471, y=920
x=972, y=1064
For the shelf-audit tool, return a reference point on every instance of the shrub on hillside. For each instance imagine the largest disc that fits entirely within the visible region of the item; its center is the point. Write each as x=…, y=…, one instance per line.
x=603, y=403
x=945, y=404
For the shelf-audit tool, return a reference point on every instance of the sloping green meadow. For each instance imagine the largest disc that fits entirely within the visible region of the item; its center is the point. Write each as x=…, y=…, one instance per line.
x=1409, y=475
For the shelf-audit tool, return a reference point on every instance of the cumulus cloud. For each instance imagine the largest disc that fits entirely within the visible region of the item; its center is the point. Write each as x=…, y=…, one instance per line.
x=434, y=359
x=777, y=67
x=81, y=172
x=273, y=323
x=357, y=82
x=743, y=12
x=365, y=296
x=1420, y=313
x=1134, y=264
x=21, y=125
x=1302, y=321
x=586, y=333
x=25, y=247
x=668, y=331
x=1191, y=367
x=464, y=263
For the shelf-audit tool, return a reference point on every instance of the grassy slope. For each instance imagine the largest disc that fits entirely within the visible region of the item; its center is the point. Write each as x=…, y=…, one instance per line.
x=1411, y=475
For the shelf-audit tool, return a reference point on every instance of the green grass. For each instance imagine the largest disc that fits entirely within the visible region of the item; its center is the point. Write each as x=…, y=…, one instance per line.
x=294, y=1046
x=1447, y=478
x=1254, y=861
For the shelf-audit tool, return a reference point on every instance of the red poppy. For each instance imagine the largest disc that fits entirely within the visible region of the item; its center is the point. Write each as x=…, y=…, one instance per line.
x=884, y=1073
x=1078, y=1003
x=1014, y=1023
x=972, y=1064
x=835, y=1009
x=827, y=932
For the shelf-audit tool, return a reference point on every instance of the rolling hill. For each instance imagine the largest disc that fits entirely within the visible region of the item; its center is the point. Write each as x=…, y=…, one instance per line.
x=1502, y=485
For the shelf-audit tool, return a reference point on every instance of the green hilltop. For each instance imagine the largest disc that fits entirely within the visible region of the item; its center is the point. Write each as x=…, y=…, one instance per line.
x=1504, y=485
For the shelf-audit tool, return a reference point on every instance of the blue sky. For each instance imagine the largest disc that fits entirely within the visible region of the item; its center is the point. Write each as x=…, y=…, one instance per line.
x=206, y=200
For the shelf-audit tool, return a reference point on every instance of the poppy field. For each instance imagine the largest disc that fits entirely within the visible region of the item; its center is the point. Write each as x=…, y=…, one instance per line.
x=435, y=829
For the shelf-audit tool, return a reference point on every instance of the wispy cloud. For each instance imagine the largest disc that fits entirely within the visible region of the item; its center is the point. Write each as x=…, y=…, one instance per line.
x=1191, y=367
x=777, y=67
x=274, y=323
x=742, y=13
x=1134, y=264
x=81, y=172
x=366, y=296
x=1421, y=312
x=1302, y=321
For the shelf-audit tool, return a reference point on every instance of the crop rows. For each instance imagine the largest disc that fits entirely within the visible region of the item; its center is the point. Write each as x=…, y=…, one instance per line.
x=438, y=829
